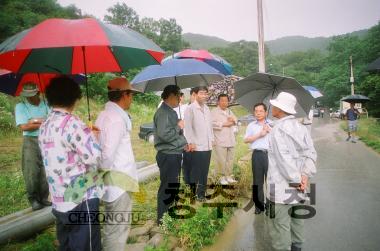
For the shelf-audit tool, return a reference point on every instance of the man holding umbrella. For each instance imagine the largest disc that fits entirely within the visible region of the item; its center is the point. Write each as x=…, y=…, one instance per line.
x=170, y=144
x=30, y=113
x=292, y=157
x=352, y=120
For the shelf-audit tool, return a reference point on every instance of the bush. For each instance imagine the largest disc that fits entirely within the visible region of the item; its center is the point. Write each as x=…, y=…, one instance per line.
x=7, y=121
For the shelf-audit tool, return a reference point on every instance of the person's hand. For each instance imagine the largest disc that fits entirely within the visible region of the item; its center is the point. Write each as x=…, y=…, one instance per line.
x=231, y=119
x=192, y=147
x=181, y=124
x=35, y=121
x=267, y=128
x=96, y=131
x=304, y=183
x=187, y=148
x=263, y=132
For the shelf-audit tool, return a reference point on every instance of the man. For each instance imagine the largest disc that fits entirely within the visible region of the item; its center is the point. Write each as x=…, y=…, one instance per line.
x=199, y=135
x=352, y=121
x=223, y=122
x=187, y=156
x=115, y=128
x=30, y=114
x=257, y=136
x=170, y=144
x=292, y=159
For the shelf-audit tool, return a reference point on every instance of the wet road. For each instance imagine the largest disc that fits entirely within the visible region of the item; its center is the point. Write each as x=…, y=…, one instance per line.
x=347, y=200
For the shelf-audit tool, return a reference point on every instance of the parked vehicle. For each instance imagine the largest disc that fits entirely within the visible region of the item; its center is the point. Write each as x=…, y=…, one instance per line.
x=316, y=113
x=147, y=132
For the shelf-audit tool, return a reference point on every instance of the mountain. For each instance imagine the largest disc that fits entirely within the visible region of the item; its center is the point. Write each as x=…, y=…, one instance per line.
x=198, y=41
x=278, y=46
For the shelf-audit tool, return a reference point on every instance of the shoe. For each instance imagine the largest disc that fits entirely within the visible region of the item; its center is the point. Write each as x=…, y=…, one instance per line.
x=36, y=205
x=348, y=138
x=258, y=210
x=223, y=181
x=353, y=141
x=46, y=203
x=231, y=180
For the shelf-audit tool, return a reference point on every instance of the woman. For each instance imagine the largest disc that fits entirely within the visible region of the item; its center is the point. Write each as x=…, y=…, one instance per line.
x=71, y=154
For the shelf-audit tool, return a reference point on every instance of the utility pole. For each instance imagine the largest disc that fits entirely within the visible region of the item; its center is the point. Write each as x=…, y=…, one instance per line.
x=352, y=77
x=260, y=30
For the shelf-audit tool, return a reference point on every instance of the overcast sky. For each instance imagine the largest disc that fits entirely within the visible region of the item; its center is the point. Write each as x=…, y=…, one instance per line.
x=234, y=20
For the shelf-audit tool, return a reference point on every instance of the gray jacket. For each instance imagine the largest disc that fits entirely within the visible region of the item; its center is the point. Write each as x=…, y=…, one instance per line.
x=167, y=138
x=291, y=154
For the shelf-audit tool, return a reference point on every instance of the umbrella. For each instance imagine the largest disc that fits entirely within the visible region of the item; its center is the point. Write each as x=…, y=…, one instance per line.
x=260, y=87
x=77, y=46
x=313, y=91
x=374, y=66
x=355, y=98
x=11, y=83
x=209, y=58
x=182, y=72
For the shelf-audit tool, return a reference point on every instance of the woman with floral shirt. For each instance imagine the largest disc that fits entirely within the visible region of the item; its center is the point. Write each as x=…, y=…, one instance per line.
x=71, y=154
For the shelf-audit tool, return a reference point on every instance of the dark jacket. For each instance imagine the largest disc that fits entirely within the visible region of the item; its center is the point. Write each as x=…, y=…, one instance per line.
x=167, y=138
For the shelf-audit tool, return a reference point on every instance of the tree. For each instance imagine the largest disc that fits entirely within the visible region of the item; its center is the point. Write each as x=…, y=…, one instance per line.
x=121, y=14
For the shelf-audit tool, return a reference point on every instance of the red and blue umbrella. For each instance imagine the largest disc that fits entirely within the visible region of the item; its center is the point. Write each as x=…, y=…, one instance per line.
x=11, y=83
x=211, y=59
x=77, y=46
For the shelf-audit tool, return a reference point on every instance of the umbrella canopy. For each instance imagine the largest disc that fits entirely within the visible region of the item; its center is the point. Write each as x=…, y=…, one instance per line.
x=211, y=59
x=261, y=87
x=182, y=72
x=11, y=83
x=374, y=66
x=313, y=91
x=77, y=46
x=355, y=98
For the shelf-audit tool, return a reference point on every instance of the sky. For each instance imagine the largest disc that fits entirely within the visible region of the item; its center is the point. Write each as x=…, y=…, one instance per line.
x=235, y=20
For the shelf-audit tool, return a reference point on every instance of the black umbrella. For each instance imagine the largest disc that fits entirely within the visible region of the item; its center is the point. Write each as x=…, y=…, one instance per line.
x=374, y=66
x=355, y=98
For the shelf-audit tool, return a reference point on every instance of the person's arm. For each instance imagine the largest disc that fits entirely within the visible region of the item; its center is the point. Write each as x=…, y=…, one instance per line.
x=251, y=136
x=216, y=124
x=189, y=134
x=23, y=121
x=164, y=129
x=110, y=137
x=84, y=143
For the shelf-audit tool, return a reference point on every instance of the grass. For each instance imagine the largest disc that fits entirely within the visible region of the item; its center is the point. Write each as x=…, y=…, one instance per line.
x=368, y=131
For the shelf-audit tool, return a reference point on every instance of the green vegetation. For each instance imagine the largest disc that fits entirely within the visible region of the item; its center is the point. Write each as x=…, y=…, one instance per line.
x=369, y=133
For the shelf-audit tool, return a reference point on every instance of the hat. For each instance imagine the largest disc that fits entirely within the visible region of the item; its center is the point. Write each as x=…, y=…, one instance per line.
x=29, y=90
x=120, y=84
x=286, y=102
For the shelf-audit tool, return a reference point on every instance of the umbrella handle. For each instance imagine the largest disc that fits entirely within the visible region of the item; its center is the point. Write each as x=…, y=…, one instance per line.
x=87, y=97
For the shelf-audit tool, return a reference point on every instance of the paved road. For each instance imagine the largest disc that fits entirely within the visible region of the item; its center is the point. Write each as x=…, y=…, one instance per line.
x=347, y=200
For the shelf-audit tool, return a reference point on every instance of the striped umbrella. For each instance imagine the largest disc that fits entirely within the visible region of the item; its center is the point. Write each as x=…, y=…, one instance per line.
x=209, y=58
x=12, y=83
x=77, y=46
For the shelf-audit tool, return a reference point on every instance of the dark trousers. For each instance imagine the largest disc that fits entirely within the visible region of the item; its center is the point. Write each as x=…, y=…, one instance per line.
x=186, y=166
x=200, y=163
x=259, y=171
x=170, y=167
x=74, y=232
x=33, y=170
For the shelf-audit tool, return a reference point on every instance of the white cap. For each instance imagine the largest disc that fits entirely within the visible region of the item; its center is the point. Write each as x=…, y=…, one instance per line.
x=286, y=102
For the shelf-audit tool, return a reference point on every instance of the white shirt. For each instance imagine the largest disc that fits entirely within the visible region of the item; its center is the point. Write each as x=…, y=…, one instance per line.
x=254, y=128
x=182, y=109
x=117, y=155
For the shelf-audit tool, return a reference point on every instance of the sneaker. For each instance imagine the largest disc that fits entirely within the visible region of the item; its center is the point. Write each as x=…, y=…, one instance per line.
x=223, y=181
x=348, y=138
x=353, y=141
x=46, y=203
x=231, y=180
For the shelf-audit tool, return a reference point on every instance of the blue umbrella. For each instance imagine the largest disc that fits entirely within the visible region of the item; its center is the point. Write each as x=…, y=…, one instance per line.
x=185, y=73
x=313, y=91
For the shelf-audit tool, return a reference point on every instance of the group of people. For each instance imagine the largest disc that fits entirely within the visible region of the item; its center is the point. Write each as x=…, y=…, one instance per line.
x=283, y=156
x=79, y=164
x=82, y=165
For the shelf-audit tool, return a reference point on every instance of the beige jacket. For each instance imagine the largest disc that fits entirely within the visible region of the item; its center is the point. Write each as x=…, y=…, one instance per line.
x=224, y=136
x=198, y=127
